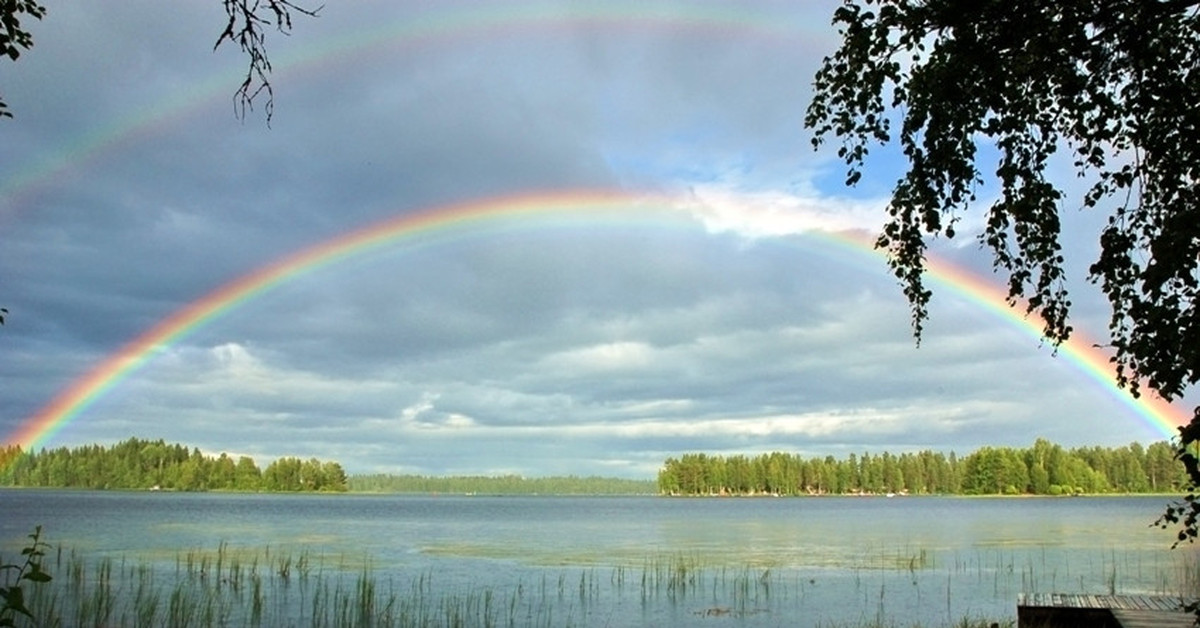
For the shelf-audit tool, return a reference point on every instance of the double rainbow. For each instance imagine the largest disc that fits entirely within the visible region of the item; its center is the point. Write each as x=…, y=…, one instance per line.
x=445, y=27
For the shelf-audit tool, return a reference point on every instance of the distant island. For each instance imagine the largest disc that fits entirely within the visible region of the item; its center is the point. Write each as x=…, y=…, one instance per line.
x=137, y=464
x=1044, y=468
x=157, y=465
x=501, y=485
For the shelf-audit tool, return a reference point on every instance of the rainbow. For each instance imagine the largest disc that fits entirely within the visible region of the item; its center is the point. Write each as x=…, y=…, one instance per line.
x=481, y=216
x=440, y=25
x=576, y=208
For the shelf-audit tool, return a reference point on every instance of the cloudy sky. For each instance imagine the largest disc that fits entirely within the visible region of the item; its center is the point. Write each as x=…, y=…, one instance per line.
x=722, y=318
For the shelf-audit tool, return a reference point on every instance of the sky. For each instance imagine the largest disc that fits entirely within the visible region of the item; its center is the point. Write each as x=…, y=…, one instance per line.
x=632, y=250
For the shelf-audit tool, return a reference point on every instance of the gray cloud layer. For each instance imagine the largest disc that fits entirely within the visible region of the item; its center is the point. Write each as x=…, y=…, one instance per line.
x=528, y=349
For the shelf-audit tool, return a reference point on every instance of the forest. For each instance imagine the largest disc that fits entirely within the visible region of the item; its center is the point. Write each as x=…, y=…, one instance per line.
x=143, y=464
x=1042, y=469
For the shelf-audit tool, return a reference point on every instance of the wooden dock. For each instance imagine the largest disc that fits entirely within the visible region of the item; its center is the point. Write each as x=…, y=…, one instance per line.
x=1070, y=610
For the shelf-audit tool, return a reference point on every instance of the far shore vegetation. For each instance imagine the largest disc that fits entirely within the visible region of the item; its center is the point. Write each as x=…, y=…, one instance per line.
x=1044, y=468
x=144, y=464
x=500, y=485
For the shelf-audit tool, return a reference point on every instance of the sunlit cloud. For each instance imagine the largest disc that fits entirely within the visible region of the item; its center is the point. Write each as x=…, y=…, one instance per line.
x=603, y=357
x=766, y=213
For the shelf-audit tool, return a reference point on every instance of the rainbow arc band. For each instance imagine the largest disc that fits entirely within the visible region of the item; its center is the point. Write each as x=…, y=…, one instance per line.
x=574, y=209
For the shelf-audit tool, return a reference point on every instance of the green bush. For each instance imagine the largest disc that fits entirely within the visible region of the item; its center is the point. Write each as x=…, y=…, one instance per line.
x=12, y=596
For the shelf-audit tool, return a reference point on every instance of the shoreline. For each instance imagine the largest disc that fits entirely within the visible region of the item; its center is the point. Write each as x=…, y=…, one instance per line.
x=746, y=496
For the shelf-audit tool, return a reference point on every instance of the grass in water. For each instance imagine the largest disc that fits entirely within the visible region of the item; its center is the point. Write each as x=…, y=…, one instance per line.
x=267, y=587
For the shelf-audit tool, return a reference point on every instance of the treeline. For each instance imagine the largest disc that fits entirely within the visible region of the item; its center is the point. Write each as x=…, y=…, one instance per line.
x=1043, y=469
x=500, y=485
x=141, y=464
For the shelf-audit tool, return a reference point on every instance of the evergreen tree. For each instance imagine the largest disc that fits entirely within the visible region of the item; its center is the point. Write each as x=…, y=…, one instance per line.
x=1043, y=469
x=139, y=464
x=247, y=476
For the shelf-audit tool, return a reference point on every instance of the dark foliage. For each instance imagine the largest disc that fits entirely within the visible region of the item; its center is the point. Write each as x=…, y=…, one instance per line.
x=1111, y=85
x=249, y=22
x=247, y=26
x=13, y=37
x=16, y=575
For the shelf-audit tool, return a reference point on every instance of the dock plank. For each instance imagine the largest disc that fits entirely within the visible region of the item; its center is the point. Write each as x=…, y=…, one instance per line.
x=1130, y=618
x=1036, y=610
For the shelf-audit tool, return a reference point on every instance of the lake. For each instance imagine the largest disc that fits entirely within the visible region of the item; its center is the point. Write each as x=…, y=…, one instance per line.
x=599, y=561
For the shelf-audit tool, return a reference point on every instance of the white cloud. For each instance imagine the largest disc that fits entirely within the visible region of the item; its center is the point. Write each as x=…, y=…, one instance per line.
x=723, y=208
x=410, y=415
x=863, y=422
x=234, y=360
x=611, y=356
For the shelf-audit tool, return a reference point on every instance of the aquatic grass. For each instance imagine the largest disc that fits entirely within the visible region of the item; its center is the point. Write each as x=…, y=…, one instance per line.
x=272, y=586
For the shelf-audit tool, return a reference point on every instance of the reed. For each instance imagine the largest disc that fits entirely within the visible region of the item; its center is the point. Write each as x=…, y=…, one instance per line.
x=268, y=587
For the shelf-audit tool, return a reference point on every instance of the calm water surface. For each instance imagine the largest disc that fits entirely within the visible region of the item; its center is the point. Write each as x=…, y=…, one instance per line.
x=802, y=561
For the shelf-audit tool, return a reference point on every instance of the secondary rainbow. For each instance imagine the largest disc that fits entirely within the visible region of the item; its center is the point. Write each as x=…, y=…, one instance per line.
x=577, y=208
x=515, y=212
x=439, y=25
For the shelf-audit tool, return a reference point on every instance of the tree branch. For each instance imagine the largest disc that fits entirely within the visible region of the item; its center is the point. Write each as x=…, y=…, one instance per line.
x=248, y=23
